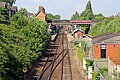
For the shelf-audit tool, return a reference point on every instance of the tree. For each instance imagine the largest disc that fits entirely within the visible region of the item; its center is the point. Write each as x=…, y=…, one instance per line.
x=52, y=17
x=3, y=14
x=87, y=14
x=107, y=25
x=21, y=43
x=75, y=16
x=98, y=17
x=57, y=16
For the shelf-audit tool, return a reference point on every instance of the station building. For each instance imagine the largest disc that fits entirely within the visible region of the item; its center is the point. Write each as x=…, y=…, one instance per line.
x=106, y=45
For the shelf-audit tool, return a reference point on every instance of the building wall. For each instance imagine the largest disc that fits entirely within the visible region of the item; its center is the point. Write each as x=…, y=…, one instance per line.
x=118, y=68
x=96, y=51
x=41, y=16
x=75, y=35
x=112, y=51
x=78, y=34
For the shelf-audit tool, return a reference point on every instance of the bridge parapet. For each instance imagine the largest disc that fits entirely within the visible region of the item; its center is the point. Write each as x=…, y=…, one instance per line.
x=70, y=22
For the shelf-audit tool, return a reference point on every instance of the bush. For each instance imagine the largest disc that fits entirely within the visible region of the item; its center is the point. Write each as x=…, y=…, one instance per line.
x=21, y=43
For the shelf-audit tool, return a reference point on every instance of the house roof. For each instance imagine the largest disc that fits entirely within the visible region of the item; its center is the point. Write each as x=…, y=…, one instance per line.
x=76, y=30
x=41, y=9
x=110, y=37
x=3, y=4
x=14, y=8
x=115, y=60
x=38, y=13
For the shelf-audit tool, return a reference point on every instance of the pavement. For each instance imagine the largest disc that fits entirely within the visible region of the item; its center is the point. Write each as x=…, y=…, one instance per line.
x=78, y=72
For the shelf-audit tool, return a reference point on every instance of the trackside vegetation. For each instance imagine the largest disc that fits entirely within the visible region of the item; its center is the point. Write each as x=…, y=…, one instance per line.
x=21, y=43
x=107, y=25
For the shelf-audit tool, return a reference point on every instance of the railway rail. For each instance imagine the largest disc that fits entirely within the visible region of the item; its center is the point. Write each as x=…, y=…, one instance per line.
x=53, y=66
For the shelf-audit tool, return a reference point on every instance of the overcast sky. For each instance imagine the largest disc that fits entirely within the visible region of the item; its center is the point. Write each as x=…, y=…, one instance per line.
x=65, y=8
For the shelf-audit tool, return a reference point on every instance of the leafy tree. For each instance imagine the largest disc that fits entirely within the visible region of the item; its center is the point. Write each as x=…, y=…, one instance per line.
x=107, y=25
x=98, y=17
x=3, y=14
x=87, y=14
x=75, y=16
x=21, y=43
x=52, y=17
x=57, y=16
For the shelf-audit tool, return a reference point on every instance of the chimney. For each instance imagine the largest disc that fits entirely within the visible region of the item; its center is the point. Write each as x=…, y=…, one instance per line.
x=42, y=9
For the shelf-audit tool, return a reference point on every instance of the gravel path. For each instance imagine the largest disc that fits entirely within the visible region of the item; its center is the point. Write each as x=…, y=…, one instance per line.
x=76, y=65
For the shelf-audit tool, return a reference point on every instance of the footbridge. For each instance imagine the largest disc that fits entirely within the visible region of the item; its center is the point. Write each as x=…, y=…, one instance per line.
x=70, y=22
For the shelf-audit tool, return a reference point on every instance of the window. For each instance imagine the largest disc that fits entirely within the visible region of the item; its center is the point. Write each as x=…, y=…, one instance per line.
x=103, y=46
x=103, y=50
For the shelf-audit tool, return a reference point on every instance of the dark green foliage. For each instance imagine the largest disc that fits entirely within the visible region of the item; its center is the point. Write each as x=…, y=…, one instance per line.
x=103, y=71
x=75, y=16
x=96, y=76
x=21, y=43
x=87, y=14
x=98, y=17
x=107, y=25
x=89, y=63
x=52, y=17
x=3, y=14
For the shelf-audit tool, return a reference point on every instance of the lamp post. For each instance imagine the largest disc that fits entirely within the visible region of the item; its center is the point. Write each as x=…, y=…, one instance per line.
x=25, y=70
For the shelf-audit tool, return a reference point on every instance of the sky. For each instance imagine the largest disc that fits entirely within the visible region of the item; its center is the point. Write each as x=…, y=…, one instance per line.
x=66, y=8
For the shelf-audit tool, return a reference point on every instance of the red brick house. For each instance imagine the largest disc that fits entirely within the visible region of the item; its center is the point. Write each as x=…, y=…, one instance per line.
x=77, y=34
x=41, y=13
x=106, y=45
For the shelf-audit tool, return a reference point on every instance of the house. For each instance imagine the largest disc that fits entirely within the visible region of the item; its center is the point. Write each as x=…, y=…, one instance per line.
x=3, y=4
x=41, y=14
x=114, y=67
x=11, y=9
x=106, y=45
x=77, y=34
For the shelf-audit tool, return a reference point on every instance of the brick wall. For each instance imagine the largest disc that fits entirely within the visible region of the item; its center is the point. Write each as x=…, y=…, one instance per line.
x=41, y=16
x=112, y=50
x=96, y=51
x=78, y=34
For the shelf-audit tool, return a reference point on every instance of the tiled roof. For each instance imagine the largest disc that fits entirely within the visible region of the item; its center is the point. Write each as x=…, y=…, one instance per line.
x=115, y=60
x=14, y=8
x=38, y=13
x=105, y=36
x=76, y=30
x=41, y=8
x=114, y=40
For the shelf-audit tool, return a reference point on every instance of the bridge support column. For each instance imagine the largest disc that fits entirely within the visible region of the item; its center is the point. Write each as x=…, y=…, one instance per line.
x=75, y=26
x=90, y=26
x=49, y=26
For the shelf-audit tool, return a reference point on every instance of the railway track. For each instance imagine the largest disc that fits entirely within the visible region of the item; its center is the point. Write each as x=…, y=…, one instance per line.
x=52, y=67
